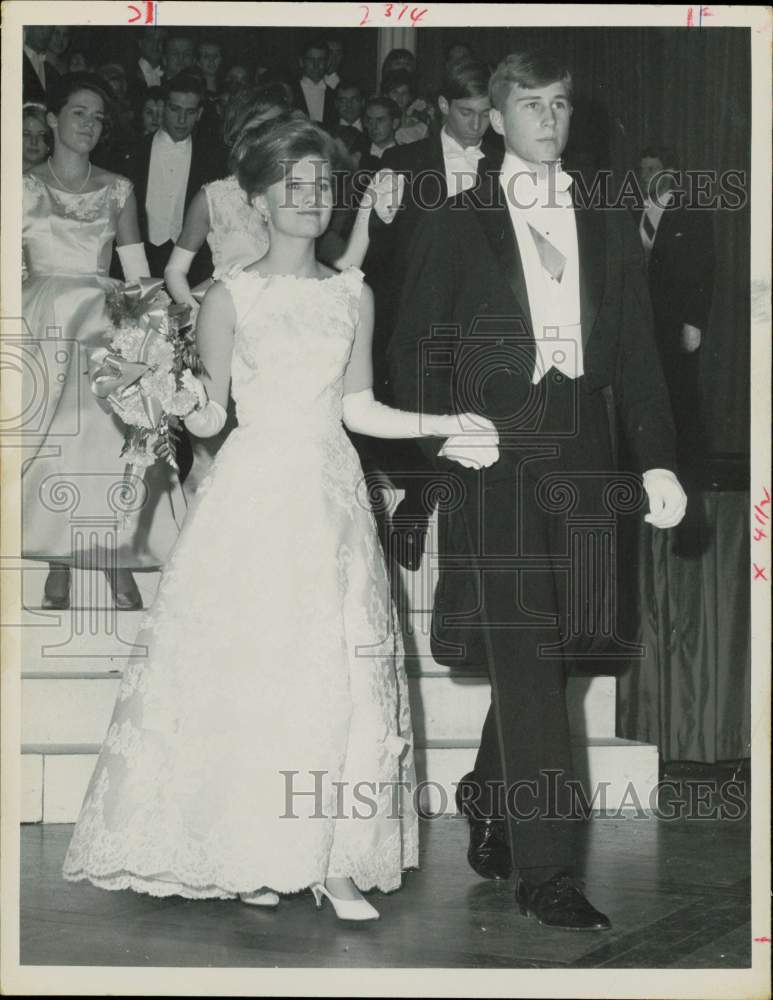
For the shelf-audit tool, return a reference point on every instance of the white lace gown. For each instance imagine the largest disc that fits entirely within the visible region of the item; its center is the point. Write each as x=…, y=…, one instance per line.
x=274, y=663
x=237, y=236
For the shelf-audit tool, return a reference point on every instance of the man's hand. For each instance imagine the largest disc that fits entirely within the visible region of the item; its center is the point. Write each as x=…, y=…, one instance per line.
x=691, y=338
x=668, y=501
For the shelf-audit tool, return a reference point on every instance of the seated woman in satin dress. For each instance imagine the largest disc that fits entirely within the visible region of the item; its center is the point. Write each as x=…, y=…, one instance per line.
x=72, y=485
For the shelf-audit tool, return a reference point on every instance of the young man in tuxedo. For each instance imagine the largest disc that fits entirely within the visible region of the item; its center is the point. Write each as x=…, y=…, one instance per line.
x=148, y=70
x=436, y=168
x=38, y=76
x=312, y=94
x=533, y=312
x=168, y=168
x=678, y=243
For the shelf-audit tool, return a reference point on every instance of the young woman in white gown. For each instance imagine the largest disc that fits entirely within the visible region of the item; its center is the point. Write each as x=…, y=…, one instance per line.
x=273, y=666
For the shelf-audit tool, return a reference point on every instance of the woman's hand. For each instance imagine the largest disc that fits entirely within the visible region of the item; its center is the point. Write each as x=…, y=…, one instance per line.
x=477, y=444
x=385, y=193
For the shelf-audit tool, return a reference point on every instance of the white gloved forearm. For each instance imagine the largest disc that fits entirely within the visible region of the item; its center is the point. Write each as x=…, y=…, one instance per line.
x=176, y=276
x=667, y=499
x=365, y=415
x=207, y=421
x=134, y=263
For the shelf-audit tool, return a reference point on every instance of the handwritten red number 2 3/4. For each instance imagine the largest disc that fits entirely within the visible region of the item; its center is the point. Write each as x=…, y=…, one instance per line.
x=415, y=13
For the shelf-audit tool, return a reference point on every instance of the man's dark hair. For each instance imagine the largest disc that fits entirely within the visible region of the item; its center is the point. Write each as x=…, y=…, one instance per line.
x=655, y=151
x=396, y=78
x=185, y=82
x=465, y=78
x=314, y=43
x=383, y=102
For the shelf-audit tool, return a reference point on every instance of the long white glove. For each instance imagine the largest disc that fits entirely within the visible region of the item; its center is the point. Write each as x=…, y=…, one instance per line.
x=134, y=263
x=176, y=276
x=668, y=501
x=386, y=191
x=362, y=414
x=208, y=418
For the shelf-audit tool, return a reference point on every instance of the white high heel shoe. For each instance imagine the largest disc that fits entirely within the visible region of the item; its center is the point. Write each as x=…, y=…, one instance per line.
x=345, y=909
x=263, y=897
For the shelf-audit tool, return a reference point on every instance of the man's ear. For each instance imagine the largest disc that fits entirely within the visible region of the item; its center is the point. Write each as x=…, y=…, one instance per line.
x=496, y=121
x=442, y=103
x=200, y=112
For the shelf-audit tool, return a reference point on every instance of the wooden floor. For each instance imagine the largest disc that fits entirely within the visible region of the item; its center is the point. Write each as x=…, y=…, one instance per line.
x=677, y=893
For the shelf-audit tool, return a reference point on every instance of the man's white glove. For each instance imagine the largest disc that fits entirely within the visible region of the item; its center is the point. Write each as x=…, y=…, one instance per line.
x=668, y=501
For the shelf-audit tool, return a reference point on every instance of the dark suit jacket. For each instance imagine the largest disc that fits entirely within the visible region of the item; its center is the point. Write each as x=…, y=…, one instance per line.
x=207, y=164
x=463, y=342
x=681, y=273
x=329, y=112
x=32, y=89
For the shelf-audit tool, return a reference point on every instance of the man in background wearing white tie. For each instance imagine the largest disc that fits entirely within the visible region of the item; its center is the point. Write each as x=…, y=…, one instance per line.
x=532, y=311
x=435, y=168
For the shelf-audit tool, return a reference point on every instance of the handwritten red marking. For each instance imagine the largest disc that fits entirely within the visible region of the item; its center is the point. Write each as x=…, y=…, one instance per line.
x=759, y=534
x=759, y=572
x=366, y=15
x=689, y=17
x=415, y=14
x=149, y=13
x=762, y=940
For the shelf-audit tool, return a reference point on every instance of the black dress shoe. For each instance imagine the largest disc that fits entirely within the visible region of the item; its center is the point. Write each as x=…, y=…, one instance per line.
x=559, y=903
x=489, y=852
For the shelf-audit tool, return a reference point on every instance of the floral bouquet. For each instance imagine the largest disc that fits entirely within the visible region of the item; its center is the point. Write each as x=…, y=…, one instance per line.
x=148, y=372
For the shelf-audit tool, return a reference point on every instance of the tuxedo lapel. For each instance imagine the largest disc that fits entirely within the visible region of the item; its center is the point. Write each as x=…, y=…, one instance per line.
x=591, y=249
x=494, y=217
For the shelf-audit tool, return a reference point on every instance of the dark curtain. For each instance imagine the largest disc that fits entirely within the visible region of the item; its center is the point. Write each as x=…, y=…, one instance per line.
x=690, y=89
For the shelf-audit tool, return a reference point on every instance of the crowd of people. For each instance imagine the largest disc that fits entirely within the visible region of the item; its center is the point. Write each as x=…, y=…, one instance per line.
x=224, y=181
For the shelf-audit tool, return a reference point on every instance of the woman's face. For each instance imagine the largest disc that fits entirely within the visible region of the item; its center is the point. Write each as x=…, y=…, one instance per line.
x=300, y=205
x=401, y=96
x=79, y=124
x=60, y=39
x=34, y=142
x=151, y=116
x=78, y=63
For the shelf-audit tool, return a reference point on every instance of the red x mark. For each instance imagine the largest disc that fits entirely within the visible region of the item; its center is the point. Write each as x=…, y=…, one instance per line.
x=759, y=573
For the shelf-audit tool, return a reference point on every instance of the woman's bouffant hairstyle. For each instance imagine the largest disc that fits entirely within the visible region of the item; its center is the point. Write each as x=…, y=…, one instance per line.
x=250, y=103
x=262, y=155
x=71, y=83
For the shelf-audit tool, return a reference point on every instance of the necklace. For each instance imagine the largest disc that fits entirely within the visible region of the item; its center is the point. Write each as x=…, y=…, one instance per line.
x=59, y=181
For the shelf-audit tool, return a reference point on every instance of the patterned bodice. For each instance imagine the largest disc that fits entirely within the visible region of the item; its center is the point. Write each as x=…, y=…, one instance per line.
x=237, y=236
x=292, y=342
x=66, y=233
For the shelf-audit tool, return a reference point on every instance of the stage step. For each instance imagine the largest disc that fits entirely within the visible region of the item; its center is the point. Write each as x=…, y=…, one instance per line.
x=614, y=773
x=76, y=707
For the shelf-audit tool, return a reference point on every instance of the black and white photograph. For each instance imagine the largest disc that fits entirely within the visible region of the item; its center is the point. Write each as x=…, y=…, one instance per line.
x=386, y=499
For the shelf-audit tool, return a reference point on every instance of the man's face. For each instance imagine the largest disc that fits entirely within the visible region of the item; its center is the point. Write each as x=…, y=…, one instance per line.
x=466, y=118
x=180, y=55
x=535, y=122
x=349, y=104
x=210, y=58
x=314, y=64
x=335, y=56
x=37, y=36
x=181, y=112
x=152, y=45
x=380, y=125
x=653, y=178
x=401, y=96
x=237, y=76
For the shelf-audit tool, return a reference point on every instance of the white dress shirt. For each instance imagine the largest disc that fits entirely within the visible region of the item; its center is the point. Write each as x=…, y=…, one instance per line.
x=379, y=151
x=170, y=165
x=154, y=75
x=545, y=204
x=315, y=97
x=38, y=60
x=332, y=80
x=461, y=163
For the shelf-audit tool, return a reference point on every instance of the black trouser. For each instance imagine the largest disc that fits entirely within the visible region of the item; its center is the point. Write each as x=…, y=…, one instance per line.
x=525, y=744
